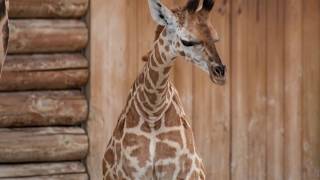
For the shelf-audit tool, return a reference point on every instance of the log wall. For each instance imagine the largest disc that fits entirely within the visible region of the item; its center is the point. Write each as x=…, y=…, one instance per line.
x=42, y=103
x=264, y=124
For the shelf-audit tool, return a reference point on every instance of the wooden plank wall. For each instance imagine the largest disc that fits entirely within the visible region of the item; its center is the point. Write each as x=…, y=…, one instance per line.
x=264, y=124
x=42, y=105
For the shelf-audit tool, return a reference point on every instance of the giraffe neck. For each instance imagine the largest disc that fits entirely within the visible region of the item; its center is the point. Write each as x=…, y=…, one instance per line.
x=156, y=91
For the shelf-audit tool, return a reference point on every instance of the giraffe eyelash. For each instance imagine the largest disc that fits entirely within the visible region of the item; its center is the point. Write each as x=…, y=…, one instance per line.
x=189, y=43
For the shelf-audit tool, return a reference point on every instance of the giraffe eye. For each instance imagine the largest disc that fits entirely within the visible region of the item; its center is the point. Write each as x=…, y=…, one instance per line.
x=189, y=43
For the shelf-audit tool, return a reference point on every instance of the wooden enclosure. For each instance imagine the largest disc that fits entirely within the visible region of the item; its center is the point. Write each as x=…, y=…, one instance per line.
x=264, y=124
x=42, y=105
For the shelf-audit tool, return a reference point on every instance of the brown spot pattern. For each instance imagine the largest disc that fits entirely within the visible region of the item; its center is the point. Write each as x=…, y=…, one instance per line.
x=172, y=118
x=154, y=75
x=145, y=127
x=109, y=157
x=174, y=136
x=166, y=170
x=142, y=150
x=189, y=139
x=164, y=151
x=185, y=166
x=166, y=70
x=118, y=132
x=128, y=169
x=167, y=48
x=161, y=41
x=132, y=119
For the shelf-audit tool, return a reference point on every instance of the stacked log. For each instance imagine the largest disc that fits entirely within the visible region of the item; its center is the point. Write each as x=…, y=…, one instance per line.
x=39, y=72
x=42, y=107
x=48, y=8
x=30, y=109
x=34, y=36
x=41, y=169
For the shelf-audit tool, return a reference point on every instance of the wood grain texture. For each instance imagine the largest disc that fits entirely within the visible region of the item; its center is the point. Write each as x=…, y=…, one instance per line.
x=42, y=108
x=40, y=169
x=42, y=144
x=38, y=36
x=311, y=90
x=275, y=90
x=239, y=91
x=44, y=62
x=40, y=72
x=48, y=8
x=257, y=84
x=264, y=124
x=108, y=88
x=46, y=80
x=293, y=90
x=211, y=103
x=80, y=176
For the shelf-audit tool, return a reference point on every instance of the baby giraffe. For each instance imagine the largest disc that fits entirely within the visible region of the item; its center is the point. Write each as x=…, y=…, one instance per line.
x=152, y=139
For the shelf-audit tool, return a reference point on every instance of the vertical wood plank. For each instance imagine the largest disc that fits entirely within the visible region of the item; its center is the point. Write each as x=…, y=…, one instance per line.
x=311, y=90
x=293, y=87
x=256, y=59
x=275, y=89
x=108, y=90
x=217, y=126
x=211, y=105
x=239, y=99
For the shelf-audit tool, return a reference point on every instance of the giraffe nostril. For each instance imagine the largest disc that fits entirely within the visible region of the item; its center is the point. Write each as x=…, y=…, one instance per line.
x=219, y=70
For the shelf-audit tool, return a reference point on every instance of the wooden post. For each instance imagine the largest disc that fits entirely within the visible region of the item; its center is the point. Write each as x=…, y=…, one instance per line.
x=275, y=90
x=48, y=9
x=311, y=90
x=107, y=91
x=293, y=89
x=239, y=91
x=257, y=88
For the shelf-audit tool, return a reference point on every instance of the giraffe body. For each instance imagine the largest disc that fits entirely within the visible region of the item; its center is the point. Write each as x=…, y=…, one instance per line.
x=160, y=150
x=152, y=138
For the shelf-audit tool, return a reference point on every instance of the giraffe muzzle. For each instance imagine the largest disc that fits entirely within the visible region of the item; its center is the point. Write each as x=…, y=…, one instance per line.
x=217, y=74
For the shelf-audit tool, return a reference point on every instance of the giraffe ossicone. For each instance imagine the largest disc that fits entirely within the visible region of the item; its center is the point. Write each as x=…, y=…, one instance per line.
x=152, y=139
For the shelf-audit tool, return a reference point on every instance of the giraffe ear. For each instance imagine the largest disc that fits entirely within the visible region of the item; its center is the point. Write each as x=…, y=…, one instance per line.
x=161, y=14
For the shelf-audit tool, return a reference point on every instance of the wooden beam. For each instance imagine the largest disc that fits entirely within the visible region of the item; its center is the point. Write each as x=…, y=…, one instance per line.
x=40, y=169
x=81, y=176
x=37, y=36
x=47, y=80
x=45, y=62
x=42, y=144
x=48, y=8
x=42, y=108
x=33, y=72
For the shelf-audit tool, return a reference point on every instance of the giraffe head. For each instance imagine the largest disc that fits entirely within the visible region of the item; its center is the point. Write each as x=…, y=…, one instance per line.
x=192, y=35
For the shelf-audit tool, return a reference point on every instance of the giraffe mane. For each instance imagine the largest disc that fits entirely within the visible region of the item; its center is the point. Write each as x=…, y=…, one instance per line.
x=158, y=31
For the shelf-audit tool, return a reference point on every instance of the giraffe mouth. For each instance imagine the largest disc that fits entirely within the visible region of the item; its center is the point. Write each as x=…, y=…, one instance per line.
x=217, y=74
